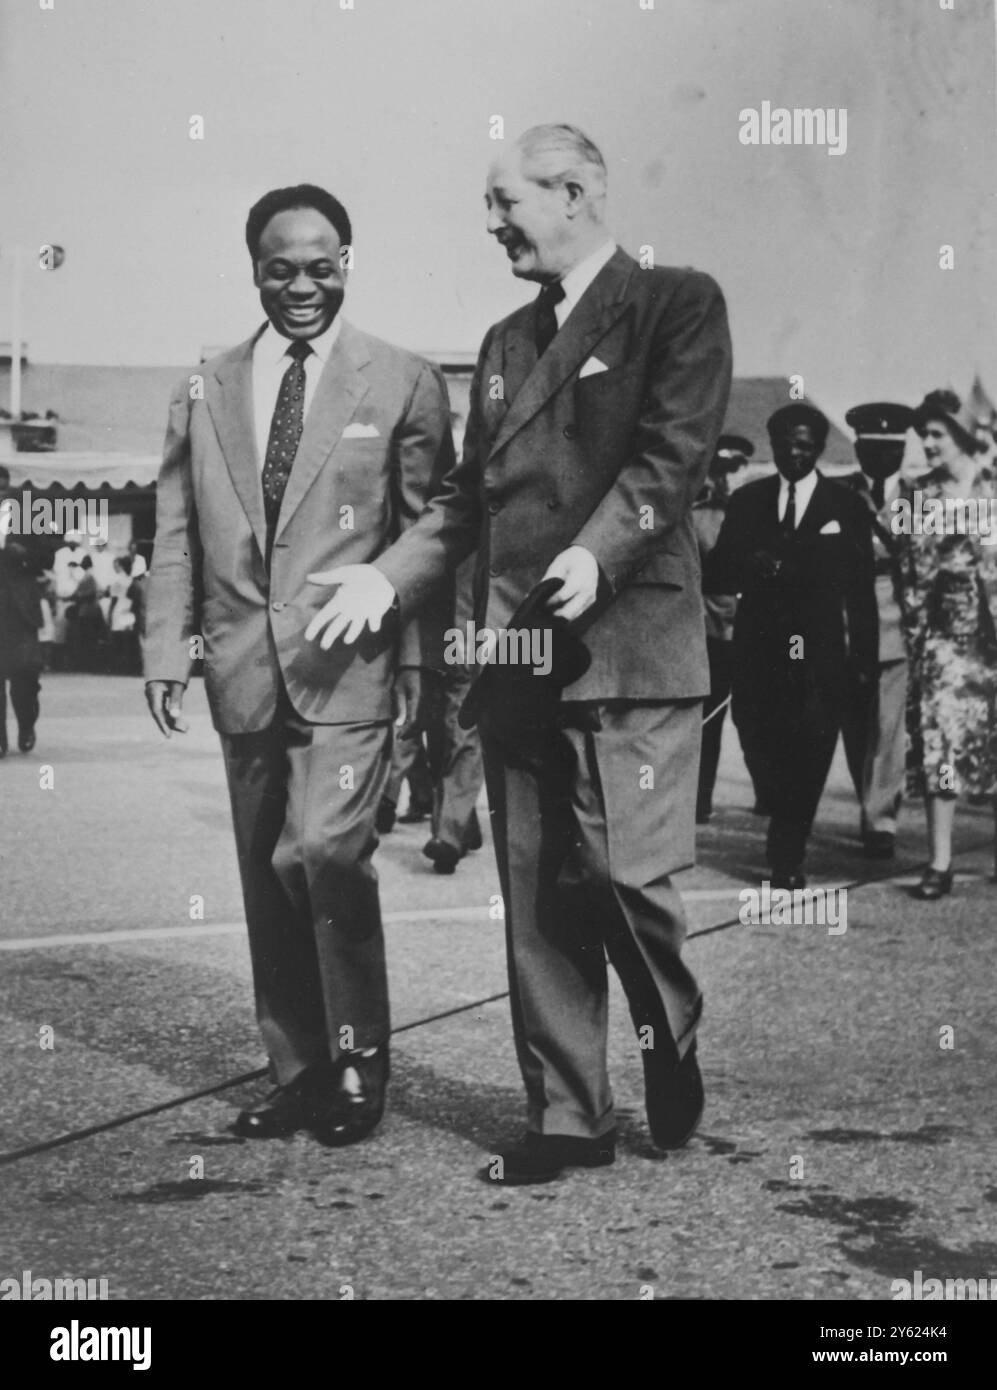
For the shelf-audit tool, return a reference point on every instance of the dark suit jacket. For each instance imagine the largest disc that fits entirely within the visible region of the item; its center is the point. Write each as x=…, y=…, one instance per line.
x=376, y=440
x=611, y=460
x=824, y=592
x=22, y=560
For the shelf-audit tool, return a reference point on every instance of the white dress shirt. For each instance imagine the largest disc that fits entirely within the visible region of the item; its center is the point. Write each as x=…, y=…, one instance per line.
x=270, y=362
x=804, y=492
x=578, y=279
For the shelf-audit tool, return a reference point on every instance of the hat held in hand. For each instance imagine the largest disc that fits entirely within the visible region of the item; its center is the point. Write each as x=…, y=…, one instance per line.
x=524, y=694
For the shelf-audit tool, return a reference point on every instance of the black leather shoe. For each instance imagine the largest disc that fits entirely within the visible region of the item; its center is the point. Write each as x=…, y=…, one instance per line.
x=790, y=879
x=674, y=1097
x=878, y=844
x=286, y=1109
x=935, y=883
x=26, y=740
x=543, y=1158
x=445, y=858
x=384, y=821
x=415, y=813
x=473, y=839
x=356, y=1103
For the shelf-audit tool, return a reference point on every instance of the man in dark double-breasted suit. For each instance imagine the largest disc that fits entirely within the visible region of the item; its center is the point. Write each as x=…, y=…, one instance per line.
x=595, y=411
x=798, y=550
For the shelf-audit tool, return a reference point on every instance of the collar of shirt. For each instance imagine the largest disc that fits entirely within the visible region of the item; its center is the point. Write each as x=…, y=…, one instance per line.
x=271, y=346
x=270, y=362
x=804, y=492
x=579, y=277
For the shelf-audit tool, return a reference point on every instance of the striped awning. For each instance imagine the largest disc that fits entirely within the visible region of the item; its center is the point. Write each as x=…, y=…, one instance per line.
x=92, y=471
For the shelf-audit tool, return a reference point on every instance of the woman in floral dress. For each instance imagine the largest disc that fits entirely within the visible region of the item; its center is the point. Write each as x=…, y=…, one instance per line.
x=950, y=595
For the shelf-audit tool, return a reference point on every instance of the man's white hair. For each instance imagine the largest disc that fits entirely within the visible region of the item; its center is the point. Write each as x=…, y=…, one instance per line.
x=559, y=153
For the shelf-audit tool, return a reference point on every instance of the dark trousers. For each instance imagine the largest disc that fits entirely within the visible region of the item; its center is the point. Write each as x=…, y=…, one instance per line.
x=411, y=762
x=304, y=798
x=585, y=847
x=720, y=658
x=443, y=764
x=746, y=723
x=24, y=691
x=792, y=729
x=461, y=771
x=873, y=732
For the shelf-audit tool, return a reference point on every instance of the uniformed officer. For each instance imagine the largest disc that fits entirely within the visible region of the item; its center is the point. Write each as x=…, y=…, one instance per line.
x=732, y=454
x=873, y=721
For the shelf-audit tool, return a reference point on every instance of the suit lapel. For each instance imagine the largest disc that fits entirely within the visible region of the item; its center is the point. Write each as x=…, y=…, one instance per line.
x=519, y=355
x=768, y=507
x=340, y=389
x=819, y=510
x=592, y=317
x=229, y=398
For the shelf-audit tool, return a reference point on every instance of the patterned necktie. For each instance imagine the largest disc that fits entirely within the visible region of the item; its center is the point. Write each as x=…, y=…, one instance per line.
x=285, y=434
x=546, y=321
x=789, y=520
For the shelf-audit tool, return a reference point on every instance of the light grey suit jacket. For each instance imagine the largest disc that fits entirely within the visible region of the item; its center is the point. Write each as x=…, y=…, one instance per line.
x=375, y=445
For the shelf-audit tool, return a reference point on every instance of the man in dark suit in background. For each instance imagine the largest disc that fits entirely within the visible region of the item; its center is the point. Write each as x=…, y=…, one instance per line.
x=23, y=558
x=309, y=448
x=873, y=728
x=798, y=550
x=595, y=411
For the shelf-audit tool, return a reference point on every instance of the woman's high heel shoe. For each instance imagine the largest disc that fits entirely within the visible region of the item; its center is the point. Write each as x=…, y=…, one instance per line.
x=935, y=883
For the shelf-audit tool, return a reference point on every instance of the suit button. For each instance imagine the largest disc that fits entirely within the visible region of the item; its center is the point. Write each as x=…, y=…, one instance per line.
x=494, y=570
x=553, y=503
x=494, y=507
x=278, y=605
x=570, y=431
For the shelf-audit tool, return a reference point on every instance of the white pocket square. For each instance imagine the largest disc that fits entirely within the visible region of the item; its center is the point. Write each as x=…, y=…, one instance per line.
x=361, y=432
x=592, y=366
x=830, y=528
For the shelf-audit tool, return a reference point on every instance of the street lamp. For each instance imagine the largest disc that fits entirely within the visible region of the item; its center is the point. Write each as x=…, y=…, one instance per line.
x=49, y=258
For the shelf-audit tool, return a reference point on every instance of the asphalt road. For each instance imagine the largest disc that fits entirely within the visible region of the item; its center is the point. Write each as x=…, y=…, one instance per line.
x=847, y=1141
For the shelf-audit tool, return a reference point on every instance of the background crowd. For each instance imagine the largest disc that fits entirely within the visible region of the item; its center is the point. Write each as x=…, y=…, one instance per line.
x=92, y=607
x=917, y=715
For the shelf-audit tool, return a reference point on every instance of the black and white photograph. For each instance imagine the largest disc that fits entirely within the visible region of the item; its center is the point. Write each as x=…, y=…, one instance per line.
x=498, y=666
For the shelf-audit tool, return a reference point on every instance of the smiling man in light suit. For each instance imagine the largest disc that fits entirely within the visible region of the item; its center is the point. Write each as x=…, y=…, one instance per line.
x=309, y=449
x=595, y=411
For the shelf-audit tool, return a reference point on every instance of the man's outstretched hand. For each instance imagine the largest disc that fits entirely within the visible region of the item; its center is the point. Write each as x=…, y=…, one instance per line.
x=165, y=701
x=363, y=598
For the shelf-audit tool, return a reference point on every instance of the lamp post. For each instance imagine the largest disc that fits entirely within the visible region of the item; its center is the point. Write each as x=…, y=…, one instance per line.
x=49, y=258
